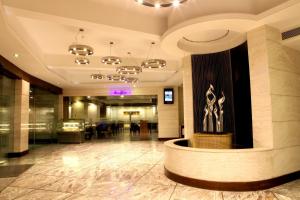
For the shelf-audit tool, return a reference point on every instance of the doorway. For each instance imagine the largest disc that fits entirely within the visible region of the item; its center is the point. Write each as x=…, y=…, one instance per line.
x=115, y=117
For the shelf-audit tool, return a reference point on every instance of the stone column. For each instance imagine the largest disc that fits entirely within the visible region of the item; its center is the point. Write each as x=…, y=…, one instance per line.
x=260, y=85
x=188, y=98
x=21, y=118
x=60, y=107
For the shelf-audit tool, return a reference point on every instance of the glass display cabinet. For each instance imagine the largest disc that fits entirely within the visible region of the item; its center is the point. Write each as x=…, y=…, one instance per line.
x=71, y=131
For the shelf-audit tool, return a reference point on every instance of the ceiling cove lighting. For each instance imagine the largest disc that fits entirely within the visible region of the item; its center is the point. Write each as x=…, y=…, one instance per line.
x=153, y=63
x=97, y=76
x=129, y=70
x=111, y=60
x=80, y=49
x=161, y=3
x=116, y=77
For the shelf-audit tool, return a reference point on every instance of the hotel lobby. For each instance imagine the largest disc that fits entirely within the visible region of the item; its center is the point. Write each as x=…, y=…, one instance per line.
x=150, y=99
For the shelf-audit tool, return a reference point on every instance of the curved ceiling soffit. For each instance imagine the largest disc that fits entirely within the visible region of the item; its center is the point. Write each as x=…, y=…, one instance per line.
x=236, y=23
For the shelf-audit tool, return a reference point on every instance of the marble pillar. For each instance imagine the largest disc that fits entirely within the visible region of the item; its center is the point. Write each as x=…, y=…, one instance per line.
x=188, y=97
x=21, y=117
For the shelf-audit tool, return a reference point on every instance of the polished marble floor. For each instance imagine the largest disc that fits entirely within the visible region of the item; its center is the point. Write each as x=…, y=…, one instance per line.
x=112, y=169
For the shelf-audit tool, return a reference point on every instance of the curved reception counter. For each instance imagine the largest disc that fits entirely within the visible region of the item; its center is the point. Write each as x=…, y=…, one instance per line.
x=222, y=169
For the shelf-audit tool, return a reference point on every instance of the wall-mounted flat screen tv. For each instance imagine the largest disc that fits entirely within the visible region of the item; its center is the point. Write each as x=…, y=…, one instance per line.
x=168, y=96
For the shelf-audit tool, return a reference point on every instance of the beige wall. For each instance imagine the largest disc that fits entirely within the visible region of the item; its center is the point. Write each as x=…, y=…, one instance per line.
x=275, y=91
x=85, y=110
x=168, y=116
x=116, y=113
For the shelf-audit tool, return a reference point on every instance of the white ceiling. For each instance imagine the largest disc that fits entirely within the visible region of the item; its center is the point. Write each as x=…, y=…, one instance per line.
x=41, y=31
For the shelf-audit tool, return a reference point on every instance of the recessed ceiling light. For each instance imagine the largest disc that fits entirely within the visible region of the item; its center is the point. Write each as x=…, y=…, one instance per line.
x=176, y=3
x=157, y=5
x=16, y=55
x=140, y=1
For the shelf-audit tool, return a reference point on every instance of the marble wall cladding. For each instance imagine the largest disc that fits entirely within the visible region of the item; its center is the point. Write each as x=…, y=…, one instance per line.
x=286, y=134
x=223, y=165
x=282, y=74
x=188, y=97
x=284, y=65
x=21, y=116
x=60, y=107
x=260, y=88
x=286, y=160
x=168, y=116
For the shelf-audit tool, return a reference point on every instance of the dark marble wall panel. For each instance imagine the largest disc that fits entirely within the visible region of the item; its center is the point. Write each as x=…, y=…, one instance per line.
x=227, y=71
x=242, y=97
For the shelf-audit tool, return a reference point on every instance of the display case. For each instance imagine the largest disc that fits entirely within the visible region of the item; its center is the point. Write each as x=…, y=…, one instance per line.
x=71, y=131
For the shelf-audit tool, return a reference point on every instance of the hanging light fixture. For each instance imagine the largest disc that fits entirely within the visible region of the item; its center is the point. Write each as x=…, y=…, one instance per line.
x=111, y=60
x=131, y=80
x=129, y=70
x=116, y=77
x=153, y=63
x=80, y=49
x=97, y=76
x=82, y=60
x=161, y=3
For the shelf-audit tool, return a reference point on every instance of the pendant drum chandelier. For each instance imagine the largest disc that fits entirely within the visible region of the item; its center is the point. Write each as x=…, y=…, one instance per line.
x=111, y=60
x=129, y=70
x=153, y=63
x=116, y=77
x=97, y=76
x=81, y=50
x=131, y=80
x=161, y=3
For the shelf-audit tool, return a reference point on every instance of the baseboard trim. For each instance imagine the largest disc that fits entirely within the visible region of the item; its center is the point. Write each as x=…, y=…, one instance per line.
x=17, y=154
x=233, y=186
x=166, y=139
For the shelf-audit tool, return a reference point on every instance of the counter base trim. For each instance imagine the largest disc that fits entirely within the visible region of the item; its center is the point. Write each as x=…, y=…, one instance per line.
x=233, y=186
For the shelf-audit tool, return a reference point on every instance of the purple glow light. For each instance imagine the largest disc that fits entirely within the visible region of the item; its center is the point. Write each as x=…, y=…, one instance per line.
x=126, y=92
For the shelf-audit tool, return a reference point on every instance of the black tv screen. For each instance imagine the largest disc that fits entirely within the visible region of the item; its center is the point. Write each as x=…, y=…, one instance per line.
x=168, y=96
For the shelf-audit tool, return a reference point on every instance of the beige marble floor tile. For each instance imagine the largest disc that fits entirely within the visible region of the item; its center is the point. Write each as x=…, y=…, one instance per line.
x=10, y=193
x=190, y=193
x=122, y=175
x=137, y=166
x=4, y=182
x=261, y=195
x=286, y=193
x=93, y=172
x=111, y=189
x=148, y=192
x=156, y=176
x=86, y=197
x=33, y=181
x=39, y=169
x=283, y=197
x=44, y=195
x=63, y=171
x=68, y=185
